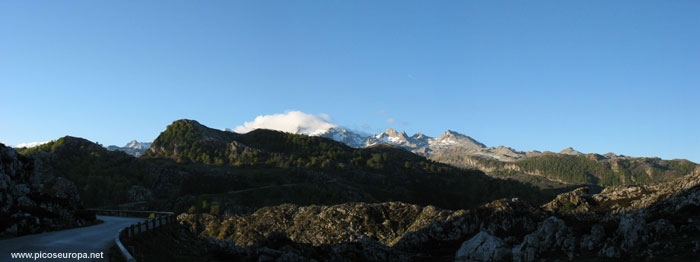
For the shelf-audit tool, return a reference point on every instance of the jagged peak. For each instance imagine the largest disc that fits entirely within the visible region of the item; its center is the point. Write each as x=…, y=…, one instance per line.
x=570, y=151
x=391, y=132
x=450, y=135
x=132, y=143
x=418, y=136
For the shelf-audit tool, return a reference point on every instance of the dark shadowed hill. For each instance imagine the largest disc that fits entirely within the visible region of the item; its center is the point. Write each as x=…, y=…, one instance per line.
x=33, y=200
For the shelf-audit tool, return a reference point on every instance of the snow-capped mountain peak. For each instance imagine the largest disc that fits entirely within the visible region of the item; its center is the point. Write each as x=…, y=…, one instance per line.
x=345, y=136
x=391, y=136
x=391, y=132
x=418, y=136
x=134, y=148
x=138, y=145
x=451, y=138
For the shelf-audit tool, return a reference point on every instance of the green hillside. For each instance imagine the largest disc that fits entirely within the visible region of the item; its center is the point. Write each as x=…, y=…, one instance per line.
x=579, y=169
x=193, y=167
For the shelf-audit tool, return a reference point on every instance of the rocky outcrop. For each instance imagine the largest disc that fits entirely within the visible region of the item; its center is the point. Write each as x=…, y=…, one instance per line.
x=278, y=247
x=32, y=201
x=592, y=241
x=483, y=247
x=632, y=230
x=507, y=218
x=577, y=201
x=404, y=228
x=623, y=223
x=552, y=236
x=317, y=225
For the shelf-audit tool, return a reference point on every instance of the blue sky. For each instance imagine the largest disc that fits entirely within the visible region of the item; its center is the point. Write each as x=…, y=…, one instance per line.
x=600, y=76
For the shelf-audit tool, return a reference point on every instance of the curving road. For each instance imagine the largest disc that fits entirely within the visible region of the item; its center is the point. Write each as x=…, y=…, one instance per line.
x=91, y=239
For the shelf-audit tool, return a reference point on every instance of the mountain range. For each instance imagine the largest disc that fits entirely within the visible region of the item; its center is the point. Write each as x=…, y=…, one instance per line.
x=427, y=146
x=417, y=143
x=542, y=169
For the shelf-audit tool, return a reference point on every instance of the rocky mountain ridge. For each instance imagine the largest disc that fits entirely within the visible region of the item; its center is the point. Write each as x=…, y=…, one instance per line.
x=659, y=223
x=426, y=145
x=542, y=169
x=572, y=168
x=450, y=142
x=463, y=151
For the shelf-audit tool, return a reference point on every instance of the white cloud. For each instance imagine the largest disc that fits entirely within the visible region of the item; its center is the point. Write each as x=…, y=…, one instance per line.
x=292, y=121
x=30, y=144
x=390, y=120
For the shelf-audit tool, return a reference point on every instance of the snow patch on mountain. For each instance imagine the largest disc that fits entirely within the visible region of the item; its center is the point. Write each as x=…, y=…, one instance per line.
x=350, y=138
x=134, y=148
x=30, y=144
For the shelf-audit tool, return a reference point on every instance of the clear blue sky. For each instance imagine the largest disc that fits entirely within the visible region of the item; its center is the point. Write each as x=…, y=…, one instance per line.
x=601, y=76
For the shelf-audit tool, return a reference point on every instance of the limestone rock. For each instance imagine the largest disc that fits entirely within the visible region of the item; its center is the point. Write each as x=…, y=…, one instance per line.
x=483, y=247
x=633, y=230
x=32, y=201
x=553, y=235
x=593, y=240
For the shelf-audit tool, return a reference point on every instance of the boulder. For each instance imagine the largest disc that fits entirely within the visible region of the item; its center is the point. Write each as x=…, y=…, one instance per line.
x=593, y=240
x=483, y=247
x=632, y=231
x=29, y=200
x=552, y=236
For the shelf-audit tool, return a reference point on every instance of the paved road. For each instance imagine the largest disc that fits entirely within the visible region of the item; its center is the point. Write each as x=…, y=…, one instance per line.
x=97, y=238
